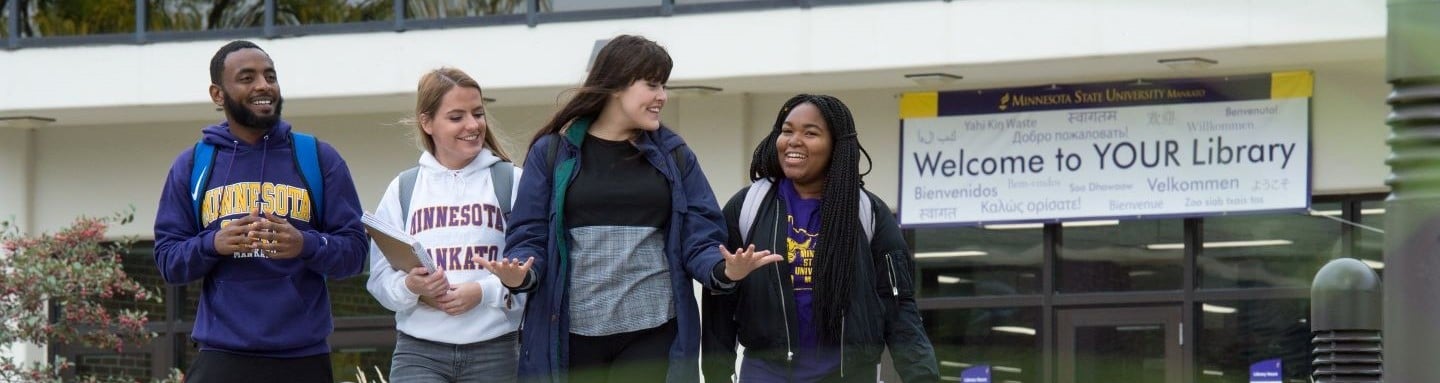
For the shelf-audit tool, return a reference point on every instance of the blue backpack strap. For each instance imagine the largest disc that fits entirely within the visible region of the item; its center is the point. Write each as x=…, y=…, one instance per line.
x=407, y=188
x=307, y=157
x=502, y=176
x=200, y=166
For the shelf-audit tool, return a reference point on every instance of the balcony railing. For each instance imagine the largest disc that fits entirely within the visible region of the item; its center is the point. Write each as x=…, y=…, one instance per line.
x=51, y=23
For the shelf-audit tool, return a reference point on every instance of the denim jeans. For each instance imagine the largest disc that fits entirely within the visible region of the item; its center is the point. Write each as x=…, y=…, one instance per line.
x=419, y=360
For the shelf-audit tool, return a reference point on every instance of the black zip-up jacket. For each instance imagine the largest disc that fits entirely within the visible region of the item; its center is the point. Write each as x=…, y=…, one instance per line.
x=760, y=313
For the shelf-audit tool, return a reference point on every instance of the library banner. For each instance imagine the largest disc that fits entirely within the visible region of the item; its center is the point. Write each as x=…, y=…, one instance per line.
x=1178, y=147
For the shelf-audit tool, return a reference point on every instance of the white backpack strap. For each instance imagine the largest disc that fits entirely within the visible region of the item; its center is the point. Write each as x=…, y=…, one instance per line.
x=751, y=207
x=867, y=214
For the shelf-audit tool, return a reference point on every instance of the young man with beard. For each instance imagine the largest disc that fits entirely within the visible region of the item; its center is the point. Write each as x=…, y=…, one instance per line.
x=245, y=219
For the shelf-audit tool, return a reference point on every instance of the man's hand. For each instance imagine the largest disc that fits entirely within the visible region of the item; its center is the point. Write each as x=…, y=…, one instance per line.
x=276, y=236
x=745, y=260
x=234, y=236
x=511, y=272
x=425, y=283
x=460, y=299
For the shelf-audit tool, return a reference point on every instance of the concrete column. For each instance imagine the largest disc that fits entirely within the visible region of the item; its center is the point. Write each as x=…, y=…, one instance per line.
x=1412, y=224
x=17, y=201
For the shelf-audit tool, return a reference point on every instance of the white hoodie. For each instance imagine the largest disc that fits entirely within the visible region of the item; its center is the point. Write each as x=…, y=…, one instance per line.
x=454, y=214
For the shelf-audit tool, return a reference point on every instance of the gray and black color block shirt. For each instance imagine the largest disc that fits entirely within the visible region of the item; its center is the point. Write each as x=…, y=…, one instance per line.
x=616, y=212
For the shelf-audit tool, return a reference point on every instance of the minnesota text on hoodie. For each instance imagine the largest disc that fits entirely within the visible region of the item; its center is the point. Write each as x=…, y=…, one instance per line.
x=251, y=304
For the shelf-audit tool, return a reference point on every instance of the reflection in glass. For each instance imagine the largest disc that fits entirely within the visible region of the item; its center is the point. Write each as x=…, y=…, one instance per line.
x=973, y=261
x=199, y=15
x=1268, y=250
x=1006, y=339
x=305, y=12
x=1370, y=245
x=681, y=2
x=1130, y=353
x=1123, y=256
x=78, y=18
x=441, y=9
x=1235, y=334
x=588, y=5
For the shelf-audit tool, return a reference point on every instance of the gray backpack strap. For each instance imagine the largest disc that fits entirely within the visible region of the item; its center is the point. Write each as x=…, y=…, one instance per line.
x=761, y=188
x=407, y=188
x=502, y=176
x=751, y=207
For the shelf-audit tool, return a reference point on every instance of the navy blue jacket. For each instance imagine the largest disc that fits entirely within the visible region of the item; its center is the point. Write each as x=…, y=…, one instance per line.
x=691, y=246
x=254, y=305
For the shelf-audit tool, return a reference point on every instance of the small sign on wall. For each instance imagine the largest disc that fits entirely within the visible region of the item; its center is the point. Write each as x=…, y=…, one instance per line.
x=1266, y=371
x=976, y=374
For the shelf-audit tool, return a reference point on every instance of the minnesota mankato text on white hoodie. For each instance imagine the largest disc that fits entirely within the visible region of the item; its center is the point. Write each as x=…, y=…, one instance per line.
x=455, y=215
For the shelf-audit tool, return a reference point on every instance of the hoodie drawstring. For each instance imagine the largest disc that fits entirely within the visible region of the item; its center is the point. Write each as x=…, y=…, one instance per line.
x=264, y=153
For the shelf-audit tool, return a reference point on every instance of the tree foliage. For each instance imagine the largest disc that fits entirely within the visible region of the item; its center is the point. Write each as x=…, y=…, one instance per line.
x=52, y=287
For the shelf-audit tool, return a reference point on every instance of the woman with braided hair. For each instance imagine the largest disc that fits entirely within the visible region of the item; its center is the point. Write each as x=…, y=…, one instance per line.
x=844, y=291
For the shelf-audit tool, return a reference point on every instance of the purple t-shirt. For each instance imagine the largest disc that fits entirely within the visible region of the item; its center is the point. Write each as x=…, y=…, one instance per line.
x=812, y=362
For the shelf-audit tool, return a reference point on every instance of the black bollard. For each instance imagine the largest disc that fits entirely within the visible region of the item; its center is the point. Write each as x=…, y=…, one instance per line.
x=1345, y=318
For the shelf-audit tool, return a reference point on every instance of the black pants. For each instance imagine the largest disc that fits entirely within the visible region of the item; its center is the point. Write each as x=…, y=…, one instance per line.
x=640, y=356
x=216, y=366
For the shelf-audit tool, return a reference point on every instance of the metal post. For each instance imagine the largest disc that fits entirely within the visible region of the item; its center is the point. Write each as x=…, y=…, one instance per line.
x=269, y=19
x=12, y=24
x=399, y=15
x=1345, y=320
x=532, y=12
x=1412, y=222
x=140, y=20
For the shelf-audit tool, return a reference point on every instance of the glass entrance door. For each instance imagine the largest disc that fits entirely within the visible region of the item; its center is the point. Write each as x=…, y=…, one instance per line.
x=1133, y=345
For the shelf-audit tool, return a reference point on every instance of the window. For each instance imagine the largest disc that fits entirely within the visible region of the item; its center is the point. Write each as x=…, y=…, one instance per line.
x=193, y=15
x=972, y=261
x=589, y=5
x=1270, y=250
x=1233, y=335
x=443, y=9
x=1008, y=340
x=1107, y=256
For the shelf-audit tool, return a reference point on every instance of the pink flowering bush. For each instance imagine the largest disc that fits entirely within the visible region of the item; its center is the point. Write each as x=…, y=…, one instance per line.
x=73, y=270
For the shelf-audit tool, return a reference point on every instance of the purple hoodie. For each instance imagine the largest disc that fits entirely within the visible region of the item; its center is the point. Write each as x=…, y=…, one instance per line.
x=251, y=304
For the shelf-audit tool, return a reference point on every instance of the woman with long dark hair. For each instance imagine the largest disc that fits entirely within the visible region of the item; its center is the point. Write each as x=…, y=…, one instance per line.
x=613, y=221
x=845, y=291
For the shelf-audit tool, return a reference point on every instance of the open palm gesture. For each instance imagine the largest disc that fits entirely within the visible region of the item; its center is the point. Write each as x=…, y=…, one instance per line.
x=744, y=260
